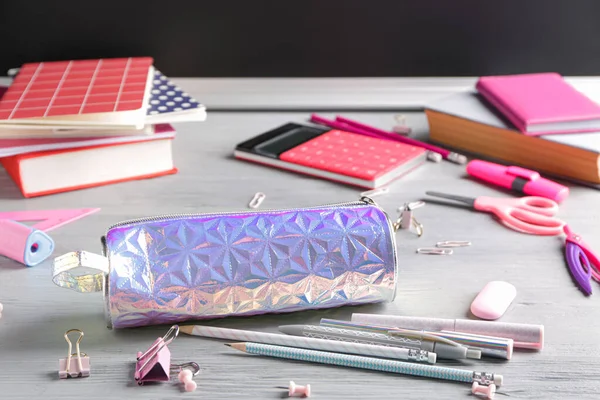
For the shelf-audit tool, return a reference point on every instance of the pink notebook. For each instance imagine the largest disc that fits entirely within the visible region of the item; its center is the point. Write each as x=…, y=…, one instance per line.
x=540, y=103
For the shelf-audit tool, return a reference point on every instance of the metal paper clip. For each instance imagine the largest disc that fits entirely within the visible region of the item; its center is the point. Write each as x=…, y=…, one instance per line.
x=257, y=200
x=375, y=192
x=70, y=367
x=453, y=243
x=434, y=251
x=407, y=218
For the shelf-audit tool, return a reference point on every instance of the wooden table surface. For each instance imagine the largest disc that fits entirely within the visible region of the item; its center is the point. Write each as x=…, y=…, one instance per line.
x=37, y=313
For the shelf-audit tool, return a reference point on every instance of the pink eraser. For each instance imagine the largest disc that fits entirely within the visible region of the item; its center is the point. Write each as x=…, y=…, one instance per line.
x=493, y=300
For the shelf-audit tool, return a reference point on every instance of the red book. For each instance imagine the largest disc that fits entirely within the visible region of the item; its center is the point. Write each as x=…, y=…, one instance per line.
x=540, y=103
x=49, y=172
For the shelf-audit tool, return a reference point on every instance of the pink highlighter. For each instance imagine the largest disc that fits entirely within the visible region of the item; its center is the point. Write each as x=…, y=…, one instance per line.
x=517, y=178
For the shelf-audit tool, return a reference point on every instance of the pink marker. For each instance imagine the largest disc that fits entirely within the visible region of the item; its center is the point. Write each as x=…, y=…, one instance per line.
x=517, y=178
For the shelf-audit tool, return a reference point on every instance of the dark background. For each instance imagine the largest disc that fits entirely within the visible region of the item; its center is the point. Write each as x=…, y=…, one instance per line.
x=311, y=38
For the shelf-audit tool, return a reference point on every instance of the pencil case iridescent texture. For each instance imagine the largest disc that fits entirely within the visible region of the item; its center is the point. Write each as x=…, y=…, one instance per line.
x=170, y=269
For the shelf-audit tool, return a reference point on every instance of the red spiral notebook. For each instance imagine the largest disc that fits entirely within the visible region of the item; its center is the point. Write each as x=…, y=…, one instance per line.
x=540, y=103
x=332, y=154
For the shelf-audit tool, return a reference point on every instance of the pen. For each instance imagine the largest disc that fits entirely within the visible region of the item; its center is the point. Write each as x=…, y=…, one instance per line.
x=517, y=178
x=415, y=355
x=527, y=336
x=366, y=130
x=453, y=351
x=377, y=364
x=490, y=346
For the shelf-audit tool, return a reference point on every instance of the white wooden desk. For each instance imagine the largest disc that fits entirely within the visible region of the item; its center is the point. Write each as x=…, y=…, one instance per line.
x=37, y=313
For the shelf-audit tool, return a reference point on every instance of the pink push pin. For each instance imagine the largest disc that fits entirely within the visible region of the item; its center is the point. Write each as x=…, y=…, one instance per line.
x=185, y=377
x=299, y=391
x=488, y=391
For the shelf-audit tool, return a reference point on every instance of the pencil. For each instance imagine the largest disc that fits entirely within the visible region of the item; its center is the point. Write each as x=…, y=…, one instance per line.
x=376, y=364
x=415, y=355
x=366, y=130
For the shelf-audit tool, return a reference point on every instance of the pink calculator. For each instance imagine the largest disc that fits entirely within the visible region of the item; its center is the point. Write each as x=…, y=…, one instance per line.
x=336, y=155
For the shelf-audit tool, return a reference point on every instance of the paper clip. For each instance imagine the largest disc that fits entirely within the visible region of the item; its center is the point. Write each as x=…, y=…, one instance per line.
x=154, y=365
x=407, y=218
x=453, y=243
x=375, y=192
x=434, y=251
x=257, y=200
x=433, y=156
x=70, y=367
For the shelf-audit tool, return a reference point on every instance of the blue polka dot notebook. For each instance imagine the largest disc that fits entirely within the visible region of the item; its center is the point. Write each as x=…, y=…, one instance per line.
x=169, y=103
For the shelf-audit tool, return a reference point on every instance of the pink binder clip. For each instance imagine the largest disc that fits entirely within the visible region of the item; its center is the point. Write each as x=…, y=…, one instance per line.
x=74, y=367
x=154, y=365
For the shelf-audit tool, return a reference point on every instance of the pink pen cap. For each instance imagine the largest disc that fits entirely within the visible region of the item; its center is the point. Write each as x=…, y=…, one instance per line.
x=517, y=178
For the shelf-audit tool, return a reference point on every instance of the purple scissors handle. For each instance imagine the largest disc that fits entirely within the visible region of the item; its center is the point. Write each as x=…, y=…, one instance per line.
x=579, y=265
x=593, y=263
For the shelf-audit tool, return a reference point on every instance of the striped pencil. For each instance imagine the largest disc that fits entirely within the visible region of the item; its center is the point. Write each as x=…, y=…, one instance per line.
x=377, y=364
x=414, y=355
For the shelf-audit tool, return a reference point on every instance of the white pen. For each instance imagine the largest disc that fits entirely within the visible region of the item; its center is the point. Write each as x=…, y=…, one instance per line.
x=309, y=343
x=447, y=349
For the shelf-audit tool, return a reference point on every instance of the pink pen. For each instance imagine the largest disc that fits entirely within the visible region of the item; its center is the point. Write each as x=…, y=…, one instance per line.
x=517, y=178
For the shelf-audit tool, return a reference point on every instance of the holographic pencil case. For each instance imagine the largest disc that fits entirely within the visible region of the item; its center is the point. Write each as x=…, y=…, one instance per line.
x=175, y=268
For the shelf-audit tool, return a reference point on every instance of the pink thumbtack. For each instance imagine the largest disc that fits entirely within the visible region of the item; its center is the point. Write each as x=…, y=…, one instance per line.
x=299, y=391
x=488, y=391
x=185, y=377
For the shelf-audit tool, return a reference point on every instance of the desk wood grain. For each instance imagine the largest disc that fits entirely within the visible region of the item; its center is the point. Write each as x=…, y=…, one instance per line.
x=37, y=313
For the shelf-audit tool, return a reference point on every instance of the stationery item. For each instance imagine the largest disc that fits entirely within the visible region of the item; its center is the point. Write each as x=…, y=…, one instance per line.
x=400, y=126
x=24, y=244
x=540, y=103
x=29, y=245
x=74, y=367
x=298, y=390
x=257, y=200
x=453, y=243
x=12, y=147
x=527, y=336
x=154, y=365
x=530, y=214
x=332, y=154
x=517, y=178
x=465, y=122
x=443, y=348
x=407, y=218
x=186, y=377
x=493, y=300
x=240, y=263
x=169, y=103
x=489, y=346
x=435, y=251
x=446, y=154
x=50, y=172
x=48, y=220
x=80, y=92
x=487, y=391
x=582, y=261
x=377, y=364
x=315, y=342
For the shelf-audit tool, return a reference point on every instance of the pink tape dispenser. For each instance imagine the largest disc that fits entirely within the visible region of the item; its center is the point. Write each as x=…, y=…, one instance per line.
x=154, y=365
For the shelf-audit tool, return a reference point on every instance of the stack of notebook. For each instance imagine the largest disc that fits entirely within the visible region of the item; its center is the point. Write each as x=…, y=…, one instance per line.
x=70, y=125
x=537, y=121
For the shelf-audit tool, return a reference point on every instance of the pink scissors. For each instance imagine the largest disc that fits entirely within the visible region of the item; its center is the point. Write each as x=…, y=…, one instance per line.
x=529, y=214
